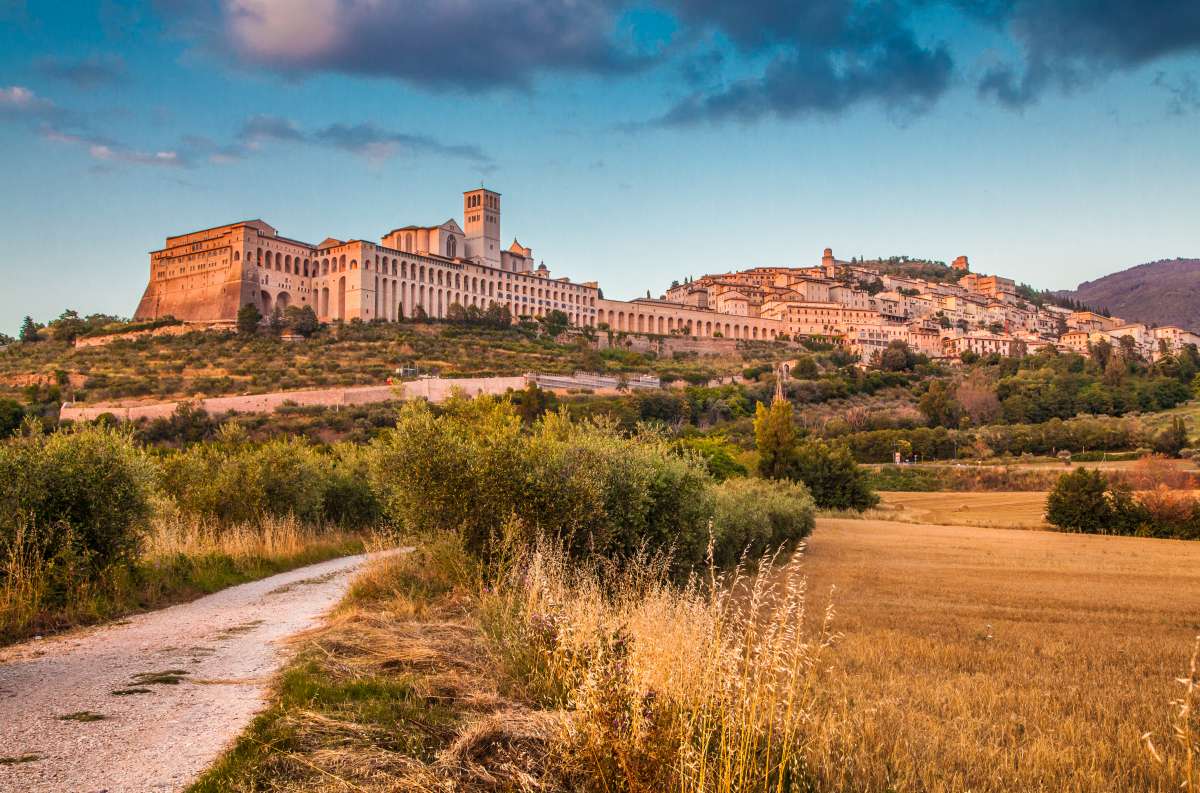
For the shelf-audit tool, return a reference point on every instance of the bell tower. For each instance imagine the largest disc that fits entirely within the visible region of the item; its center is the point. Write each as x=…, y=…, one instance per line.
x=481, y=222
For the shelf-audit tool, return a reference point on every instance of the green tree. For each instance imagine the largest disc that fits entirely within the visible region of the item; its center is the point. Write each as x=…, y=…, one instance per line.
x=456, y=313
x=248, y=317
x=832, y=476
x=1079, y=502
x=11, y=416
x=939, y=406
x=275, y=321
x=29, y=330
x=301, y=320
x=1172, y=438
x=554, y=323
x=67, y=327
x=775, y=438
x=497, y=316
x=897, y=357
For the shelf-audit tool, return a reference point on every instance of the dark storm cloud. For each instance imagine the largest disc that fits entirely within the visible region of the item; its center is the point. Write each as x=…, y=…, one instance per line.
x=819, y=56
x=1070, y=43
x=87, y=73
x=831, y=55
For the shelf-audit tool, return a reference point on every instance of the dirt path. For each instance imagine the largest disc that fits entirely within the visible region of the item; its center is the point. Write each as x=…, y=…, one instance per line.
x=155, y=698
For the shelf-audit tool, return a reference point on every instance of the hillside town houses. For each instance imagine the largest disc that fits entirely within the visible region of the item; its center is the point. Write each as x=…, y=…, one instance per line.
x=207, y=276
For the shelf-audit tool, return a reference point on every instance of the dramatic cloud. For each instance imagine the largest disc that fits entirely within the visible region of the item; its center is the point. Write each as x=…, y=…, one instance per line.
x=738, y=60
x=1070, y=43
x=470, y=44
x=829, y=55
x=86, y=73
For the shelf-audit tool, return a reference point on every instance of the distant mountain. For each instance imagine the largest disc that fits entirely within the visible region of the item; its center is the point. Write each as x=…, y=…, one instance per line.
x=1166, y=292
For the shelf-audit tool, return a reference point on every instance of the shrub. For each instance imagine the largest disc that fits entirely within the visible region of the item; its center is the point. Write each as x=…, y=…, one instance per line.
x=11, y=416
x=472, y=468
x=1079, y=502
x=77, y=498
x=233, y=480
x=754, y=516
x=832, y=476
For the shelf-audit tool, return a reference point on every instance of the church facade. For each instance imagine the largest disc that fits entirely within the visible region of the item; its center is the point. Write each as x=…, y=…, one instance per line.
x=207, y=276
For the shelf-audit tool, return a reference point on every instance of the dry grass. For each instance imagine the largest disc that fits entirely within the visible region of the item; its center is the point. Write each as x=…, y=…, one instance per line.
x=987, y=660
x=547, y=677
x=182, y=557
x=969, y=660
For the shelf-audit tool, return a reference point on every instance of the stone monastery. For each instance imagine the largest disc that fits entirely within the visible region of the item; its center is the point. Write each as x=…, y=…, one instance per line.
x=206, y=276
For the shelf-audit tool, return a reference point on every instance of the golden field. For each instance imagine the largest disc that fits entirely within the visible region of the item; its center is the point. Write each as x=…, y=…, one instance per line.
x=1005, y=510
x=977, y=659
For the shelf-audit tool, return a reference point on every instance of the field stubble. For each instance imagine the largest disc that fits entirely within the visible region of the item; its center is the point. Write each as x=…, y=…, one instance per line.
x=982, y=660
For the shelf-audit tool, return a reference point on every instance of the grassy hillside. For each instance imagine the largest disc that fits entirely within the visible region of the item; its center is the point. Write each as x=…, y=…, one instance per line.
x=1165, y=292
x=214, y=363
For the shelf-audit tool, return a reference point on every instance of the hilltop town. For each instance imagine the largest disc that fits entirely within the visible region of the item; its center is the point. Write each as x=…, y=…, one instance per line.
x=205, y=277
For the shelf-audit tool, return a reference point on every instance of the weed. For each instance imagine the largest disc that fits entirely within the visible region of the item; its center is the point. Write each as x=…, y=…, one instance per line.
x=83, y=716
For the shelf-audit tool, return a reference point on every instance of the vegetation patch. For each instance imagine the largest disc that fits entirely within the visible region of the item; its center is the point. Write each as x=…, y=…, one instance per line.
x=83, y=716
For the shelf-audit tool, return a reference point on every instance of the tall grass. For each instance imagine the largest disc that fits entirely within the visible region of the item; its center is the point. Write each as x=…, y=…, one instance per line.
x=706, y=687
x=1180, y=756
x=181, y=557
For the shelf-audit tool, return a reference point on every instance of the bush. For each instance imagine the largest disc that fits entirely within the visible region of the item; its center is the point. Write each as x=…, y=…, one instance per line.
x=1079, y=502
x=753, y=516
x=473, y=469
x=78, y=499
x=233, y=480
x=832, y=476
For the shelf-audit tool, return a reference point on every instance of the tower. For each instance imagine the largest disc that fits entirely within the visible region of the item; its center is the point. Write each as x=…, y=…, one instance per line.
x=481, y=222
x=961, y=264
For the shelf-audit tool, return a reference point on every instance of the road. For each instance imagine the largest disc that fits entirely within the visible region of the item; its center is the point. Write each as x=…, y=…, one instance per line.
x=152, y=700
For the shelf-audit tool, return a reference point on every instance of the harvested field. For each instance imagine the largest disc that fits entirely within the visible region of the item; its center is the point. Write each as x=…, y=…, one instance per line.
x=1013, y=510
x=991, y=660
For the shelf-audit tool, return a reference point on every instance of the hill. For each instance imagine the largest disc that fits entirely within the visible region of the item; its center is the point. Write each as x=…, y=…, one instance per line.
x=1165, y=292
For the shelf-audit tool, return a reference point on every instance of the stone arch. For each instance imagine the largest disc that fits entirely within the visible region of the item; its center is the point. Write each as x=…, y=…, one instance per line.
x=283, y=301
x=265, y=299
x=341, y=297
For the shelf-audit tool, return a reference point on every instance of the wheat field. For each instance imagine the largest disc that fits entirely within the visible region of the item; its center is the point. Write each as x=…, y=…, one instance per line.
x=978, y=659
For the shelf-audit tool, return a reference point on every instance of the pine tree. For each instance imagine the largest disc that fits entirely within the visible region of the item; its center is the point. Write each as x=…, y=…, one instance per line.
x=29, y=331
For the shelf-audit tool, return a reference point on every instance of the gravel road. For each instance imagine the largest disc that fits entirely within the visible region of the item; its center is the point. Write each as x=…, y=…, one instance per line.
x=153, y=699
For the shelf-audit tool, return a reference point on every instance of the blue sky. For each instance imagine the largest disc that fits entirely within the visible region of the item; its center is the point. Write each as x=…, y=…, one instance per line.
x=1053, y=141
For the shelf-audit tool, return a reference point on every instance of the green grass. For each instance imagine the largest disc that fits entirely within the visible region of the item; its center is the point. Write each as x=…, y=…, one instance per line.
x=388, y=708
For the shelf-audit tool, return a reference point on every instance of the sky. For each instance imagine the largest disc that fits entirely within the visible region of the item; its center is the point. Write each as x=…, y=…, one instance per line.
x=1053, y=141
